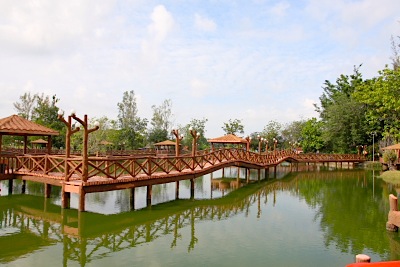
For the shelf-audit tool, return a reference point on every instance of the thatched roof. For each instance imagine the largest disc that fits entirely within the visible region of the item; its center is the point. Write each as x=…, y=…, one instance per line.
x=228, y=139
x=16, y=125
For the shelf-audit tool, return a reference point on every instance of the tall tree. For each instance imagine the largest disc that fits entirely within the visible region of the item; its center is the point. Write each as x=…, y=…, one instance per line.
x=311, y=135
x=26, y=105
x=381, y=97
x=132, y=127
x=199, y=126
x=233, y=127
x=272, y=130
x=342, y=114
x=161, y=122
x=46, y=113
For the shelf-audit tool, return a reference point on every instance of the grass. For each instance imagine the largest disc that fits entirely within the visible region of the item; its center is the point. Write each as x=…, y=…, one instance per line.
x=392, y=177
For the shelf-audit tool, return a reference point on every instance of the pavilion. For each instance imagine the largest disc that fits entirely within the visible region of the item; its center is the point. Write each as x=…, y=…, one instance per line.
x=229, y=139
x=18, y=126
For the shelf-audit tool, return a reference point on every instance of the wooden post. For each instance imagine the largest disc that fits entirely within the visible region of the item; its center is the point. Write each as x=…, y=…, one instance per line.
x=23, y=186
x=148, y=197
x=191, y=188
x=47, y=190
x=266, y=173
x=132, y=198
x=177, y=189
x=10, y=186
x=393, y=211
x=82, y=194
x=223, y=172
x=362, y=258
x=259, y=174
x=275, y=171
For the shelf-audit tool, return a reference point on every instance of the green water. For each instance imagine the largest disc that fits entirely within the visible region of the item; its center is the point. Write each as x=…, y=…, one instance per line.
x=314, y=218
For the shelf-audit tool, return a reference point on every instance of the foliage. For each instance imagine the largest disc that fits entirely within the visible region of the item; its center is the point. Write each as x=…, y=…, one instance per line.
x=311, y=136
x=389, y=156
x=132, y=127
x=161, y=122
x=272, y=130
x=381, y=97
x=345, y=124
x=26, y=105
x=292, y=132
x=199, y=126
x=46, y=113
x=233, y=127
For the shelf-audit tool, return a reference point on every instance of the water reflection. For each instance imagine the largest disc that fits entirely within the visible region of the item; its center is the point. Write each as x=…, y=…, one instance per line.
x=346, y=212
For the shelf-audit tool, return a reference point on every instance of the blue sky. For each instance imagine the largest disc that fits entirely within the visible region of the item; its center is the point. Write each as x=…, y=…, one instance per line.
x=255, y=61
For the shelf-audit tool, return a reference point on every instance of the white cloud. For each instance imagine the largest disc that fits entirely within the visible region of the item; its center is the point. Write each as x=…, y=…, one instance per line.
x=198, y=88
x=280, y=9
x=204, y=24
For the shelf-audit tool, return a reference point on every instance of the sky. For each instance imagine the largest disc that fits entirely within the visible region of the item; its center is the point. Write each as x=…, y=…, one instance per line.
x=253, y=60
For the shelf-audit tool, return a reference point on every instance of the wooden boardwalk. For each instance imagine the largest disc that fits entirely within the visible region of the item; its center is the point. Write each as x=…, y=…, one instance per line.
x=128, y=172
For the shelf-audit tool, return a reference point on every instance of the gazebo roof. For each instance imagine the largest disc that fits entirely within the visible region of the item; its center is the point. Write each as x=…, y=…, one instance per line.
x=165, y=143
x=16, y=125
x=39, y=141
x=228, y=139
x=394, y=147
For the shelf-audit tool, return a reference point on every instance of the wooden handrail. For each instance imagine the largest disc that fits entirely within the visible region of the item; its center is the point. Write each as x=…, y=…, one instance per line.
x=147, y=166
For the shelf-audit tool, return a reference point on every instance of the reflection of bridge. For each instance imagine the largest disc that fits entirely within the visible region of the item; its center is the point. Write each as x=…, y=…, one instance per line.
x=101, y=174
x=86, y=237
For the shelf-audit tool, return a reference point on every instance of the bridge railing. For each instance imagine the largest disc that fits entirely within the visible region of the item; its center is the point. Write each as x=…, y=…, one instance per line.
x=115, y=167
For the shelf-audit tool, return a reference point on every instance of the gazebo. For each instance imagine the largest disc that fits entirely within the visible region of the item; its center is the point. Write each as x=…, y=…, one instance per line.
x=18, y=126
x=396, y=148
x=166, y=147
x=228, y=139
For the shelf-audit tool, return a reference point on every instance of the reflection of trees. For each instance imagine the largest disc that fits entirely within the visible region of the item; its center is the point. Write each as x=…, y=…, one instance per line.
x=89, y=236
x=352, y=193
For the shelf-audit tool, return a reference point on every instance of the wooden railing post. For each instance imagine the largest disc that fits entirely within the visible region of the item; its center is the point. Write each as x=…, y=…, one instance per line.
x=394, y=216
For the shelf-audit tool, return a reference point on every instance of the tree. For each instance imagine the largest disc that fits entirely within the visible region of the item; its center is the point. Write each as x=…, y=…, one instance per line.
x=291, y=132
x=26, y=105
x=132, y=127
x=396, y=53
x=46, y=113
x=199, y=126
x=381, y=97
x=311, y=135
x=233, y=127
x=161, y=122
x=343, y=115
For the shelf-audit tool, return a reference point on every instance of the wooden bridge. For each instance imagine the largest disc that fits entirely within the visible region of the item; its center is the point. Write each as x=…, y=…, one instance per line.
x=81, y=175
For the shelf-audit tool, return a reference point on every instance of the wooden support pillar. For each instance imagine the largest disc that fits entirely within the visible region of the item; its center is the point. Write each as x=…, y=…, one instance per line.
x=259, y=174
x=348, y=165
x=393, y=214
x=23, y=186
x=65, y=198
x=363, y=258
x=177, y=189
x=223, y=172
x=341, y=165
x=10, y=186
x=192, y=188
x=132, y=198
x=238, y=172
x=275, y=171
x=148, y=195
x=266, y=173
x=47, y=190
x=297, y=166
x=82, y=194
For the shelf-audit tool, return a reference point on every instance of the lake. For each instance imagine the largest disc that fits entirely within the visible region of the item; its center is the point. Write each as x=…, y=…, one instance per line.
x=310, y=218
